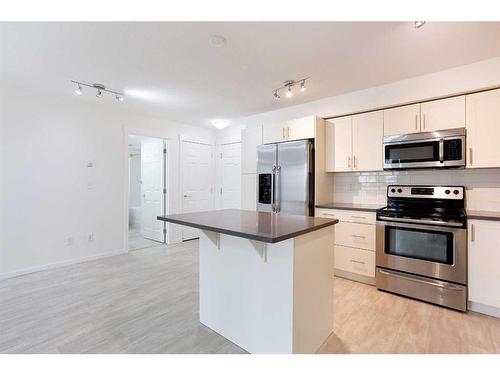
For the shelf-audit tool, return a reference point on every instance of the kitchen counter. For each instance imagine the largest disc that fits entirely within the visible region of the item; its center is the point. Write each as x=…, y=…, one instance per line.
x=258, y=226
x=266, y=280
x=483, y=215
x=351, y=206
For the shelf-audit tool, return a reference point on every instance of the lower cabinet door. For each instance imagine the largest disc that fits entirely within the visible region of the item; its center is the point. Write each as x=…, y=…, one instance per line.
x=355, y=260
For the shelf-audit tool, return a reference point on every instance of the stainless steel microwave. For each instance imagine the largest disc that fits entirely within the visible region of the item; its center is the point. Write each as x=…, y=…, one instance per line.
x=438, y=149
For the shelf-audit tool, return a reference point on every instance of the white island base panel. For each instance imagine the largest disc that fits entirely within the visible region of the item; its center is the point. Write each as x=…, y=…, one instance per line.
x=268, y=297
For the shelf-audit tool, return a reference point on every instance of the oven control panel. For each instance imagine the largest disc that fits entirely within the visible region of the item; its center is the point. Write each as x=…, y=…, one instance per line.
x=429, y=192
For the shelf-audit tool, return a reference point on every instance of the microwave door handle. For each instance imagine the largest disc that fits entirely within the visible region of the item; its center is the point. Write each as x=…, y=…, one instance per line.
x=441, y=150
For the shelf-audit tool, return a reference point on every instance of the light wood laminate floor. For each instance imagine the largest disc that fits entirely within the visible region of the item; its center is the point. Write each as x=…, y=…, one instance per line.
x=146, y=301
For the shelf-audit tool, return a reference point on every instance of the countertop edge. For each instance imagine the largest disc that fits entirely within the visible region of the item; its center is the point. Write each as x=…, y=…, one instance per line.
x=333, y=206
x=247, y=235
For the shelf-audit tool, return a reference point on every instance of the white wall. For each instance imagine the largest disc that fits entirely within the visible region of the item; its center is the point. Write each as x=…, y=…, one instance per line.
x=479, y=75
x=47, y=192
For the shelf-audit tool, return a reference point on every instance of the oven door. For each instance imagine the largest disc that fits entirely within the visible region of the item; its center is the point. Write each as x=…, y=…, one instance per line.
x=414, y=154
x=428, y=250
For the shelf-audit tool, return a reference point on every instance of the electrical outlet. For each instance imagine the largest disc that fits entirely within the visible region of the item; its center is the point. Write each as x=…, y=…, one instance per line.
x=90, y=237
x=70, y=241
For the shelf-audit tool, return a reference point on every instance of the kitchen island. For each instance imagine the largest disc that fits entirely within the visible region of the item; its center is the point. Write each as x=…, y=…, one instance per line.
x=266, y=280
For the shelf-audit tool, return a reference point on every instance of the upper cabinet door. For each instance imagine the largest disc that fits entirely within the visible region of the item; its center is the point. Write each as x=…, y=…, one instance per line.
x=483, y=129
x=402, y=120
x=301, y=128
x=367, y=140
x=273, y=133
x=339, y=144
x=443, y=114
x=250, y=139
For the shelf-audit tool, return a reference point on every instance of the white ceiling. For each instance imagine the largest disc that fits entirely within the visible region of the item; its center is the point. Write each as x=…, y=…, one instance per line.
x=171, y=69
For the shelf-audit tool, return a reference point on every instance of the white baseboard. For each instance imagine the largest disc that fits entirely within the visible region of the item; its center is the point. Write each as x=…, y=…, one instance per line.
x=484, y=309
x=45, y=267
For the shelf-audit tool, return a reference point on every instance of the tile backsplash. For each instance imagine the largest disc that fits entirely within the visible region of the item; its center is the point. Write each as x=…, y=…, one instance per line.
x=482, y=185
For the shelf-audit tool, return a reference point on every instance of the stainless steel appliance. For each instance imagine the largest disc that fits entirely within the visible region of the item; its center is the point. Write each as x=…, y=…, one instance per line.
x=285, y=181
x=421, y=249
x=439, y=149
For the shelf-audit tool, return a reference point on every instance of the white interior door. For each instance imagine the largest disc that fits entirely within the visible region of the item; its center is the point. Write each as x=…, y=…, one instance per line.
x=197, y=181
x=230, y=192
x=153, y=184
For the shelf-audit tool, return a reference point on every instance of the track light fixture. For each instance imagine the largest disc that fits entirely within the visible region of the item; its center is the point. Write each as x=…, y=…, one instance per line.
x=419, y=24
x=100, y=89
x=288, y=86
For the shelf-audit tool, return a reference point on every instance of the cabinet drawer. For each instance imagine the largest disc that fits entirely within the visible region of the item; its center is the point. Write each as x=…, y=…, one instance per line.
x=353, y=260
x=357, y=235
x=362, y=217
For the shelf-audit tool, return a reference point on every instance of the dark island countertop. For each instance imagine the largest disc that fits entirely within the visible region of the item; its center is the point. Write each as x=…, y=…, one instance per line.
x=483, y=215
x=351, y=206
x=258, y=226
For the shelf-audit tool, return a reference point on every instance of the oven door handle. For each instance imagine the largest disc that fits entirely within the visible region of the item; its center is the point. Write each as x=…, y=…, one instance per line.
x=440, y=284
x=417, y=221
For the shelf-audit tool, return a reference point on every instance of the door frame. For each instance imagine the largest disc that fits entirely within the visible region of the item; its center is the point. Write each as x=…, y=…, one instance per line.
x=151, y=134
x=183, y=139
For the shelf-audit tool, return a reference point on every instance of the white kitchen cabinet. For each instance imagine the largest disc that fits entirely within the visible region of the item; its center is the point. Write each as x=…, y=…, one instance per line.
x=484, y=265
x=354, y=143
x=367, y=141
x=443, y=114
x=339, y=144
x=250, y=138
x=291, y=130
x=301, y=128
x=354, y=244
x=402, y=120
x=249, y=192
x=483, y=129
x=273, y=133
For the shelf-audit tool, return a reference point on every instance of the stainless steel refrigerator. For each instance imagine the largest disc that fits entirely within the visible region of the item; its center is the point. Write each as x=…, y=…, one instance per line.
x=285, y=181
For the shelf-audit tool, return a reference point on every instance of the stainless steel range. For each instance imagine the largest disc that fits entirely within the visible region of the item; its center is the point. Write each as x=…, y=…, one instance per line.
x=421, y=247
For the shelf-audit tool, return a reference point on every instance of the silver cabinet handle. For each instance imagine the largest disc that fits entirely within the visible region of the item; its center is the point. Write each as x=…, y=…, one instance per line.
x=288, y=132
x=416, y=121
x=358, y=217
x=472, y=233
x=328, y=215
x=283, y=133
x=424, y=120
x=357, y=261
x=357, y=236
x=470, y=155
x=187, y=196
x=349, y=162
x=354, y=161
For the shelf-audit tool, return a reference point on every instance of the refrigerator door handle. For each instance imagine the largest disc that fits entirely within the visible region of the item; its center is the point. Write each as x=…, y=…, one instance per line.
x=273, y=189
x=277, y=187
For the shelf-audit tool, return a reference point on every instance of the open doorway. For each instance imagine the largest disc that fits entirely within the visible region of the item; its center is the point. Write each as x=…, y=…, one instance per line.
x=147, y=196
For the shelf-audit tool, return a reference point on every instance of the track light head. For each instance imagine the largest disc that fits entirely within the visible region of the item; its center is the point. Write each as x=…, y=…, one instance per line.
x=99, y=93
x=78, y=90
x=289, y=92
x=419, y=24
x=303, y=86
x=276, y=95
x=119, y=98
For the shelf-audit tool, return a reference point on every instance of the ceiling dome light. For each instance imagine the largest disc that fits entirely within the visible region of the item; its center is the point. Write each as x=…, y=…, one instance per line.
x=303, y=86
x=78, y=91
x=119, y=98
x=289, y=92
x=419, y=24
x=220, y=124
